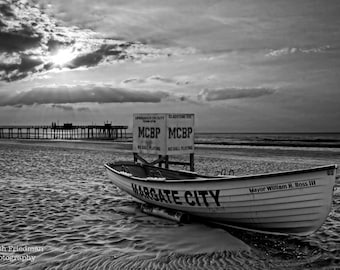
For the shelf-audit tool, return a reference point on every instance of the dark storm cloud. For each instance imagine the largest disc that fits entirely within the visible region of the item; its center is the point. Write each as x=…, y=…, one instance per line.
x=19, y=63
x=114, y=51
x=5, y=9
x=20, y=41
x=24, y=31
x=79, y=94
x=233, y=93
x=35, y=39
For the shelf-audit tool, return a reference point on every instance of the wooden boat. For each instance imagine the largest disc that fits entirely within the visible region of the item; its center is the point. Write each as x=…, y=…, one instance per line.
x=293, y=202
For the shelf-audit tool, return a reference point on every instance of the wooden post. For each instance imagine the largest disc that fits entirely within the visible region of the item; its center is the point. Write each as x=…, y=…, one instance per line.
x=160, y=162
x=192, y=162
x=166, y=162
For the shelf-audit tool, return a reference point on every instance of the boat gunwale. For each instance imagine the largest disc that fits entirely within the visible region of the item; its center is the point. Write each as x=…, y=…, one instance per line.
x=204, y=178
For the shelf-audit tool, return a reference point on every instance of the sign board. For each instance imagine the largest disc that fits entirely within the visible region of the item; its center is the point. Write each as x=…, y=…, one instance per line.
x=163, y=134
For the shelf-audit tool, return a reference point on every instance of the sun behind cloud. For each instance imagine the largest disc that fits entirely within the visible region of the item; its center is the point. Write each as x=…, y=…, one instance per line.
x=63, y=56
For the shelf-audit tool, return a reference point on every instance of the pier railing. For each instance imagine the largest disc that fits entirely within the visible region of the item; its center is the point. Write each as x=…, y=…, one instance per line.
x=66, y=131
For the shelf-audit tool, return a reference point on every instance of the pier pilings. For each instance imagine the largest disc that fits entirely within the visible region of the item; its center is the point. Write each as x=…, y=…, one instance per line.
x=67, y=131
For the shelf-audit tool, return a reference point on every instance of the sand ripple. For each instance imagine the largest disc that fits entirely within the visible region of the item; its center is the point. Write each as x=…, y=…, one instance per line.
x=59, y=198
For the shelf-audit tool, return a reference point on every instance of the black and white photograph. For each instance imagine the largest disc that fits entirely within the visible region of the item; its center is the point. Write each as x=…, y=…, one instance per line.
x=169, y=134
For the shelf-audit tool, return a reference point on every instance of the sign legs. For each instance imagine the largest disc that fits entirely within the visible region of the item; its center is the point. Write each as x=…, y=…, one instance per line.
x=164, y=160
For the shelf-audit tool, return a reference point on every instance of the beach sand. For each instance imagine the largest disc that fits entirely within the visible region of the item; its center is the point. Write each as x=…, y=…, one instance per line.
x=211, y=159
x=55, y=195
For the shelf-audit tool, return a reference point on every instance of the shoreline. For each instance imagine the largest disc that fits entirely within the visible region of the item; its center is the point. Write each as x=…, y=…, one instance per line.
x=209, y=159
x=239, y=152
x=198, y=144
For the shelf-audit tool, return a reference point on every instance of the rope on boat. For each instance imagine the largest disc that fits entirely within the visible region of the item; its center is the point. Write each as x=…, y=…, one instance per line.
x=224, y=172
x=125, y=169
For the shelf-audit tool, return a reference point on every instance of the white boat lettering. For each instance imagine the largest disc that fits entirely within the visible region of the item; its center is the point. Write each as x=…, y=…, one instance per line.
x=284, y=186
x=192, y=198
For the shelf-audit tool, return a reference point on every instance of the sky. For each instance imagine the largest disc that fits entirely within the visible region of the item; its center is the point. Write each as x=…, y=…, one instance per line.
x=238, y=65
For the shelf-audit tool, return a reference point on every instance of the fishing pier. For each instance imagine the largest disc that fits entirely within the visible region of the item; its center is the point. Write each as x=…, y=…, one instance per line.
x=67, y=131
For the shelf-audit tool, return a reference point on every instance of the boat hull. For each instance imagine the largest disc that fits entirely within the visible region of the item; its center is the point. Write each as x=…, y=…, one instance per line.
x=296, y=202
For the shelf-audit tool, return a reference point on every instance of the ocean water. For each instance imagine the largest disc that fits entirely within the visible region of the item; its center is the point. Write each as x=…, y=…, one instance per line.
x=58, y=210
x=271, y=139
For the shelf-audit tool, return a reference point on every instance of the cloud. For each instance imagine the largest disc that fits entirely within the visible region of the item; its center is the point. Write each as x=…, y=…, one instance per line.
x=69, y=108
x=37, y=42
x=9, y=59
x=157, y=79
x=233, y=93
x=154, y=78
x=133, y=80
x=301, y=50
x=62, y=107
x=18, y=41
x=80, y=94
x=109, y=52
x=15, y=65
x=83, y=109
